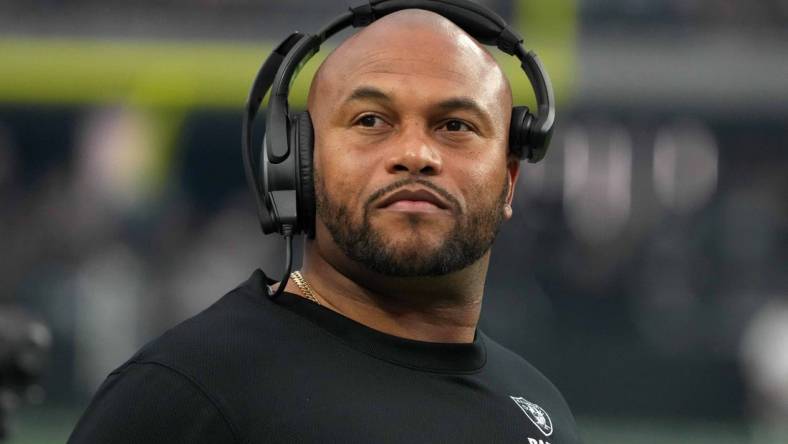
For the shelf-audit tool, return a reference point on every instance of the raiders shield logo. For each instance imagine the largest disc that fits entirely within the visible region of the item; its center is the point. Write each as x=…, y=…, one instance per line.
x=536, y=414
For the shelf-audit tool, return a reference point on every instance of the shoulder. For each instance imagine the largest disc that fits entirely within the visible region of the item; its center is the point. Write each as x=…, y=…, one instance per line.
x=147, y=403
x=513, y=366
x=225, y=347
x=226, y=331
x=525, y=385
x=195, y=373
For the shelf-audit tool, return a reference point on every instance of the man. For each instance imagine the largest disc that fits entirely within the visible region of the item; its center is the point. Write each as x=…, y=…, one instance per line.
x=376, y=338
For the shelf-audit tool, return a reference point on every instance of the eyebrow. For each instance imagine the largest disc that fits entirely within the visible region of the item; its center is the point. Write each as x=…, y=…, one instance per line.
x=368, y=93
x=465, y=104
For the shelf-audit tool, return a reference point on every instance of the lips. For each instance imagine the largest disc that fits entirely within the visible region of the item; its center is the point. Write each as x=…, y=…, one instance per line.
x=413, y=199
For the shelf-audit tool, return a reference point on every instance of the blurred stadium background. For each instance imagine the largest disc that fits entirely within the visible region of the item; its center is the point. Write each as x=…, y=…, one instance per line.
x=644, y=272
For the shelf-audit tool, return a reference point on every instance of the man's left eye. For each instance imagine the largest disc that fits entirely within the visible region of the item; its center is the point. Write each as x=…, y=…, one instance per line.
x=369, y=121
x=455, y=125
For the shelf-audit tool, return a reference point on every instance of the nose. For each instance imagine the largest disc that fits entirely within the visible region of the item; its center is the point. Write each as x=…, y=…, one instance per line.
x=414, y=153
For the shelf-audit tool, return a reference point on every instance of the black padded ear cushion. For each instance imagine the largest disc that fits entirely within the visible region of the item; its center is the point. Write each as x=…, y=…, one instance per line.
x=519, y=130
x=306, y=184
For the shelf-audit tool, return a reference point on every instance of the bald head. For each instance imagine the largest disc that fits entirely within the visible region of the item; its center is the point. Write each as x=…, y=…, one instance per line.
x=406, y=42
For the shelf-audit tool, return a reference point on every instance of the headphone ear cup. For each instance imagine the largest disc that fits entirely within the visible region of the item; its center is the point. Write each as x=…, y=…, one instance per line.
x=306, y=186
x=519, y=132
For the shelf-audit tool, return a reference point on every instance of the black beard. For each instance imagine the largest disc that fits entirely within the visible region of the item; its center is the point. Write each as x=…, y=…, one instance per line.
x=471, y=237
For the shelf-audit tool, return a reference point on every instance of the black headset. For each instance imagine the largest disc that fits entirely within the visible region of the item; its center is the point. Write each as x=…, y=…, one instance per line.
x=281, y=177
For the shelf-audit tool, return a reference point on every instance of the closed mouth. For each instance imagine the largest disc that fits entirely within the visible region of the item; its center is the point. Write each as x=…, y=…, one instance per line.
x=415, y=198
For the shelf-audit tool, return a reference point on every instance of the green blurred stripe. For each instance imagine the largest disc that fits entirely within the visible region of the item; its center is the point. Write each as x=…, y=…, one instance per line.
x=180, y=74
x=169, y=73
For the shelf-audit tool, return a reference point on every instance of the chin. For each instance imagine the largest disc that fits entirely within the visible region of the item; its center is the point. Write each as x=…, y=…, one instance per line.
x=421, y=236
x=413, y=248
x=410, y=247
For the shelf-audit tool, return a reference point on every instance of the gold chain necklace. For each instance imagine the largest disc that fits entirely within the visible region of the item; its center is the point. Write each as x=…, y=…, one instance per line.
x=304, y=286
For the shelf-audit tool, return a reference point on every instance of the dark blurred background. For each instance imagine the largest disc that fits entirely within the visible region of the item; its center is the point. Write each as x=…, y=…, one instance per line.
x=645, y=271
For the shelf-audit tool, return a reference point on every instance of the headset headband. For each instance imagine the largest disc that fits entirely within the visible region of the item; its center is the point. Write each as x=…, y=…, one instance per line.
x=482, y=24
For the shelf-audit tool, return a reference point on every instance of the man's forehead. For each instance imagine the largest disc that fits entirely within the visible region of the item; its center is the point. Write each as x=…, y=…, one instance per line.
x=390, y=70
x=409, y=45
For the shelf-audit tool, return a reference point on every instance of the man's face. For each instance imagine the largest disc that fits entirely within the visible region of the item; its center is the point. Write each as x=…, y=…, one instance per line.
x=411, y=167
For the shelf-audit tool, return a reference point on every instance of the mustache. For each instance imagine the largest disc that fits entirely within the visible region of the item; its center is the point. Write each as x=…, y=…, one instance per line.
x=405, y=182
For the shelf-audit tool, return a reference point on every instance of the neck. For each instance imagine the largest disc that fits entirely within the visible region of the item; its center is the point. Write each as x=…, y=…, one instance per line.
x=433, y=309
